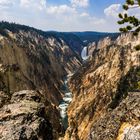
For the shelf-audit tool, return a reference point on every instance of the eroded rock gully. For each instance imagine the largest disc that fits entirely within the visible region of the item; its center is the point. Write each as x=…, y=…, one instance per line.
x=103, y=108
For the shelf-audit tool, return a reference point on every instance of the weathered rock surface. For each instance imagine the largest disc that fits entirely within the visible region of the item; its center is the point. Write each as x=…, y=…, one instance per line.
x=3, y=98
x=121, y=123
x=25, y=117
x=100, y=88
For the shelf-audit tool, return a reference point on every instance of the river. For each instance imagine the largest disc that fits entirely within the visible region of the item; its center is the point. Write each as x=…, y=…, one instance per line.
x=63, y=106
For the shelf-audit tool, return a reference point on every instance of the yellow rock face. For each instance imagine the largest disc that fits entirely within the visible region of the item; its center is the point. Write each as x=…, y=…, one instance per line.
x=100, y=107
x=129, y=131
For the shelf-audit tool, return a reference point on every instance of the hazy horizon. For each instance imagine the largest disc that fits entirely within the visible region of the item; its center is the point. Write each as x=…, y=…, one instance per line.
x=64, y=15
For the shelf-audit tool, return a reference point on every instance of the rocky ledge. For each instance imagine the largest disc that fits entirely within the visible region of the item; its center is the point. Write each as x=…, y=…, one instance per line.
x=121, y=123
x=25, y=117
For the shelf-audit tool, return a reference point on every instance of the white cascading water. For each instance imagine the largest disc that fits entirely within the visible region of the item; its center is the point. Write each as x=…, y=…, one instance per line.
x=67, y=98
x=64, y=104
x=84, y=53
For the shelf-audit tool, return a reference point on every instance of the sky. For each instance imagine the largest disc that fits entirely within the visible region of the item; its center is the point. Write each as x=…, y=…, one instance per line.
x=65, y=15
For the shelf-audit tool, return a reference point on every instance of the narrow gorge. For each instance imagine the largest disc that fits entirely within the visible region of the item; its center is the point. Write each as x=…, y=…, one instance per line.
x=66, y=100
x=68, y=85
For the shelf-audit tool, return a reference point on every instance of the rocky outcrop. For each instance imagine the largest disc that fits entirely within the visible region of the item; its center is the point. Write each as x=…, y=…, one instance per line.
x=100, y=89
x=26, y=117
x=121, y=123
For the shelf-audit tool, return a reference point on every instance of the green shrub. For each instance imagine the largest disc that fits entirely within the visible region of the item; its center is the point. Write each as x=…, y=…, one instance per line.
x=128, y=83
x=137, y=47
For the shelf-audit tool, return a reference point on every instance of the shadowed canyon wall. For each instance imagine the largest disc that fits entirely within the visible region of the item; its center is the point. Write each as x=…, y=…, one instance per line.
x=32, y=69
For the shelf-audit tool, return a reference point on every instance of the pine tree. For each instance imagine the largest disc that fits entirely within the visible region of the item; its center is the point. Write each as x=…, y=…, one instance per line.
x=132, y=23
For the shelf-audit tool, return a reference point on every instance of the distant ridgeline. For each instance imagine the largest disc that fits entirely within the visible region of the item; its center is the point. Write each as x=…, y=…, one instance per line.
x=89, y=36
x=75, y=40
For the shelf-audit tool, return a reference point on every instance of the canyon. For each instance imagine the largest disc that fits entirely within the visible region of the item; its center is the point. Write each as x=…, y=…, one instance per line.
x=105, y=103
x=68, y=86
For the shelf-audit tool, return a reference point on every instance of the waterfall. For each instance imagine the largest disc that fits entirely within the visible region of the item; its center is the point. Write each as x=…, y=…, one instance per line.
x=84, y=54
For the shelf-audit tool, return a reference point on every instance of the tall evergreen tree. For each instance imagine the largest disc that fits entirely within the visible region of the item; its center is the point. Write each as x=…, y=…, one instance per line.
x=132, y=22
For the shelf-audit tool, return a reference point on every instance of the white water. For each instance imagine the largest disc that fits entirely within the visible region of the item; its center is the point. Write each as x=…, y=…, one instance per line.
x=84, y=54
x=64, y=105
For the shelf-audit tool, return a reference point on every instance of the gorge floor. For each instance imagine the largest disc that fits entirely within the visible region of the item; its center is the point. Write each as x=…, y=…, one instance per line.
x=63, y=106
